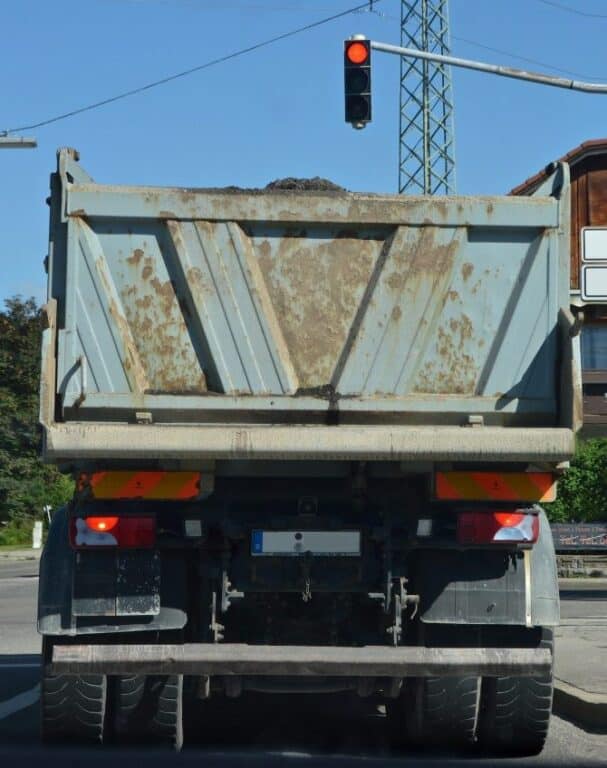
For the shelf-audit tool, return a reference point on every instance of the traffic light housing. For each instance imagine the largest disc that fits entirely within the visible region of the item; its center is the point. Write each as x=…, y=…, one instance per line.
x=357, y=81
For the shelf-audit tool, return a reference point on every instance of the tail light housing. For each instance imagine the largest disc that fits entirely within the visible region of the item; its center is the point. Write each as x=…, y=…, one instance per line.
x=112, y=531
x=498, y=527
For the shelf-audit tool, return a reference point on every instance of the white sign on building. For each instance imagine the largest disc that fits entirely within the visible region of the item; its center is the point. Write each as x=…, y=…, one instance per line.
x=593, y=278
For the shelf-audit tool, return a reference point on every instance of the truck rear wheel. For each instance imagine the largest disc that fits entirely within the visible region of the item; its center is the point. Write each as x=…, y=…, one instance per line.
x=515, y=711
x=439, y=711
x=72, y=707
x=149, y=708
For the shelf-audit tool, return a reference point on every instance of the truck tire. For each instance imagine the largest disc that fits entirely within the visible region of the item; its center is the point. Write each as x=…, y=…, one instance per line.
x=149, y=708
x=72, y=707
x=440, y=711
x=515, y=711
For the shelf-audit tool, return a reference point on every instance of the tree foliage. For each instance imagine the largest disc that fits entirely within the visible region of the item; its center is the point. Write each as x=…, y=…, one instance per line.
x=26, y=485
x=582, y=491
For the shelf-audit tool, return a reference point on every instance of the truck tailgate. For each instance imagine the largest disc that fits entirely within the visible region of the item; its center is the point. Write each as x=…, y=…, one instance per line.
x=244, y=309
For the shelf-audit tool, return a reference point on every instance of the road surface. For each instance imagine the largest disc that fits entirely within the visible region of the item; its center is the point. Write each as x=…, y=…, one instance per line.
x=256, y=730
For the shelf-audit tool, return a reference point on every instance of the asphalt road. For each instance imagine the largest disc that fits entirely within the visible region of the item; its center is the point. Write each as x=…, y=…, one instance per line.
x=583, y=599
x=256, y=730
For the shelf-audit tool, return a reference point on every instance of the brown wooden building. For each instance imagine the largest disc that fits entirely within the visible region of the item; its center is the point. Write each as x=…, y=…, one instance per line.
x=588, y=169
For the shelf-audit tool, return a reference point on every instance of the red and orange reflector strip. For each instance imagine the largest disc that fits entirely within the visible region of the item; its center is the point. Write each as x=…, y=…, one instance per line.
x=125, y=484
x=495, y=486
x=357, y=52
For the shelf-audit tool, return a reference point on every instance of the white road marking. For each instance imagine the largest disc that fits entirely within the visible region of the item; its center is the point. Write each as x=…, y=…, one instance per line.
x=19, y=702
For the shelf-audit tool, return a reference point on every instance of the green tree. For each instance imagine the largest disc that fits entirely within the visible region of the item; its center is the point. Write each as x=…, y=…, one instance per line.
x=26, y=485
x=582, y=491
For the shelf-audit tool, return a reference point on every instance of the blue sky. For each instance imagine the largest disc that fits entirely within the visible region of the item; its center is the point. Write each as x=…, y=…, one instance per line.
x=275, y=112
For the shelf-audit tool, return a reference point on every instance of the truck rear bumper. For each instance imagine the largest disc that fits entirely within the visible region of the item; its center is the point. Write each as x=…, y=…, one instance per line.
x=84, y=440
x=284, y=660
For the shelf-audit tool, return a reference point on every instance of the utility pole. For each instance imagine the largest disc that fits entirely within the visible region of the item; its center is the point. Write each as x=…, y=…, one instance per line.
x=426, y=159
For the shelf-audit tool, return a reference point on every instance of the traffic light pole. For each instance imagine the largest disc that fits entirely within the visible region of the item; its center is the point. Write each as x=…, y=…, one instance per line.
x=493, y=69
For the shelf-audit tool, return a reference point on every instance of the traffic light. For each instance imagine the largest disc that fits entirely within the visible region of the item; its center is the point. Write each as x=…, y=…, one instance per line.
x=357, y=81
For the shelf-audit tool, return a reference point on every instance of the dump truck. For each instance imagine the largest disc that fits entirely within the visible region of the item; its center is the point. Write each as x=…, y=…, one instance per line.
x=310, y=432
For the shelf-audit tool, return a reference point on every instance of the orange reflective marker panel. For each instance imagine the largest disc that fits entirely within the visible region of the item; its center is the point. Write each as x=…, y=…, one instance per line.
x=357, y=53
x=495, y=486
x=161, y=486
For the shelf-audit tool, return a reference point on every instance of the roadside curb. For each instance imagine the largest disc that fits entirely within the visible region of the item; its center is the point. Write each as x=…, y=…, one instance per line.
x=587, y=709
x=21, y=554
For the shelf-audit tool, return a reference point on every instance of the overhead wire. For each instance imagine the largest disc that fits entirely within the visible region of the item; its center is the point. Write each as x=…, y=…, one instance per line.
x=362, y=7
x=524, y=58
x=571, y=9
x=510, y=54
x=190, y=71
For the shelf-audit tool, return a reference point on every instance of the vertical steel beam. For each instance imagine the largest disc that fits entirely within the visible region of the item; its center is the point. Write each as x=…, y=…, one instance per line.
x=426, y=150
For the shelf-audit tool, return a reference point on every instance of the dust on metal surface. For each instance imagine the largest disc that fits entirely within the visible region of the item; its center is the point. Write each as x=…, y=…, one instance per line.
x=156, y=318
x=316, y=280
x=182, y=301
x=232, y=658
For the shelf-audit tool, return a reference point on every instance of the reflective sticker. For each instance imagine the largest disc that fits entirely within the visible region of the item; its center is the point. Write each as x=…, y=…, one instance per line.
x=160, y=485
x=495, y=486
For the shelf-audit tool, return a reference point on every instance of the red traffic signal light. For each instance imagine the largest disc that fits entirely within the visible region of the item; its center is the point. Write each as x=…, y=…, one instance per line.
x=357, y=82
x=357, y=52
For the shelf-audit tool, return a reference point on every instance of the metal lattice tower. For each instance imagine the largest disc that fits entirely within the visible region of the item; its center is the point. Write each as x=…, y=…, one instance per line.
x=426, y=160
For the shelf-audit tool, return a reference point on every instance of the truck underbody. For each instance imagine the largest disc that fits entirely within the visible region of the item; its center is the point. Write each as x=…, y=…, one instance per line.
x=334, y=577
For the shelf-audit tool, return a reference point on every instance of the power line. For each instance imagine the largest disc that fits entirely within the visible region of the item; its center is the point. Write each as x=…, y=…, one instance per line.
x=221, y=5
x=511, y=55
x=191, y=71
x=570, y=9
x=524, y=58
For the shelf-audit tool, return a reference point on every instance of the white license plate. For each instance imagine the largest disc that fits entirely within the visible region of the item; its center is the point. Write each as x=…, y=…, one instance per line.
x=343, y=543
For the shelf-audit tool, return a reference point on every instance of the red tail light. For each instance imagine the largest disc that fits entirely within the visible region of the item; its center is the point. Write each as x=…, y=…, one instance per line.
x=126, y=532
x=497, y=527
x=101, y=524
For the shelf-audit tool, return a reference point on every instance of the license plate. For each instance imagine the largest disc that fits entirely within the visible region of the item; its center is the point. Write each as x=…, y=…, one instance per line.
x=329, y=543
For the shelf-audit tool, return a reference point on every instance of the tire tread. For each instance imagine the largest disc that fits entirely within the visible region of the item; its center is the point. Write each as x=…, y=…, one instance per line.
x=149, y=708
x=515, y=711
x=73, y=707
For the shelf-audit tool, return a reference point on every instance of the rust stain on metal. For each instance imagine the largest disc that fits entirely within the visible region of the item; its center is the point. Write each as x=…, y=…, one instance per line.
x=454, y=370
x=315, y=288
x=198, y=284
x=136, y=257
x=422, y=269
x=155, y=321
x=132, y=364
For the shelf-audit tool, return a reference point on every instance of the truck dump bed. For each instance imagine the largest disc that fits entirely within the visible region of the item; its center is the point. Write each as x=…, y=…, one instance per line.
x=189, y=323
